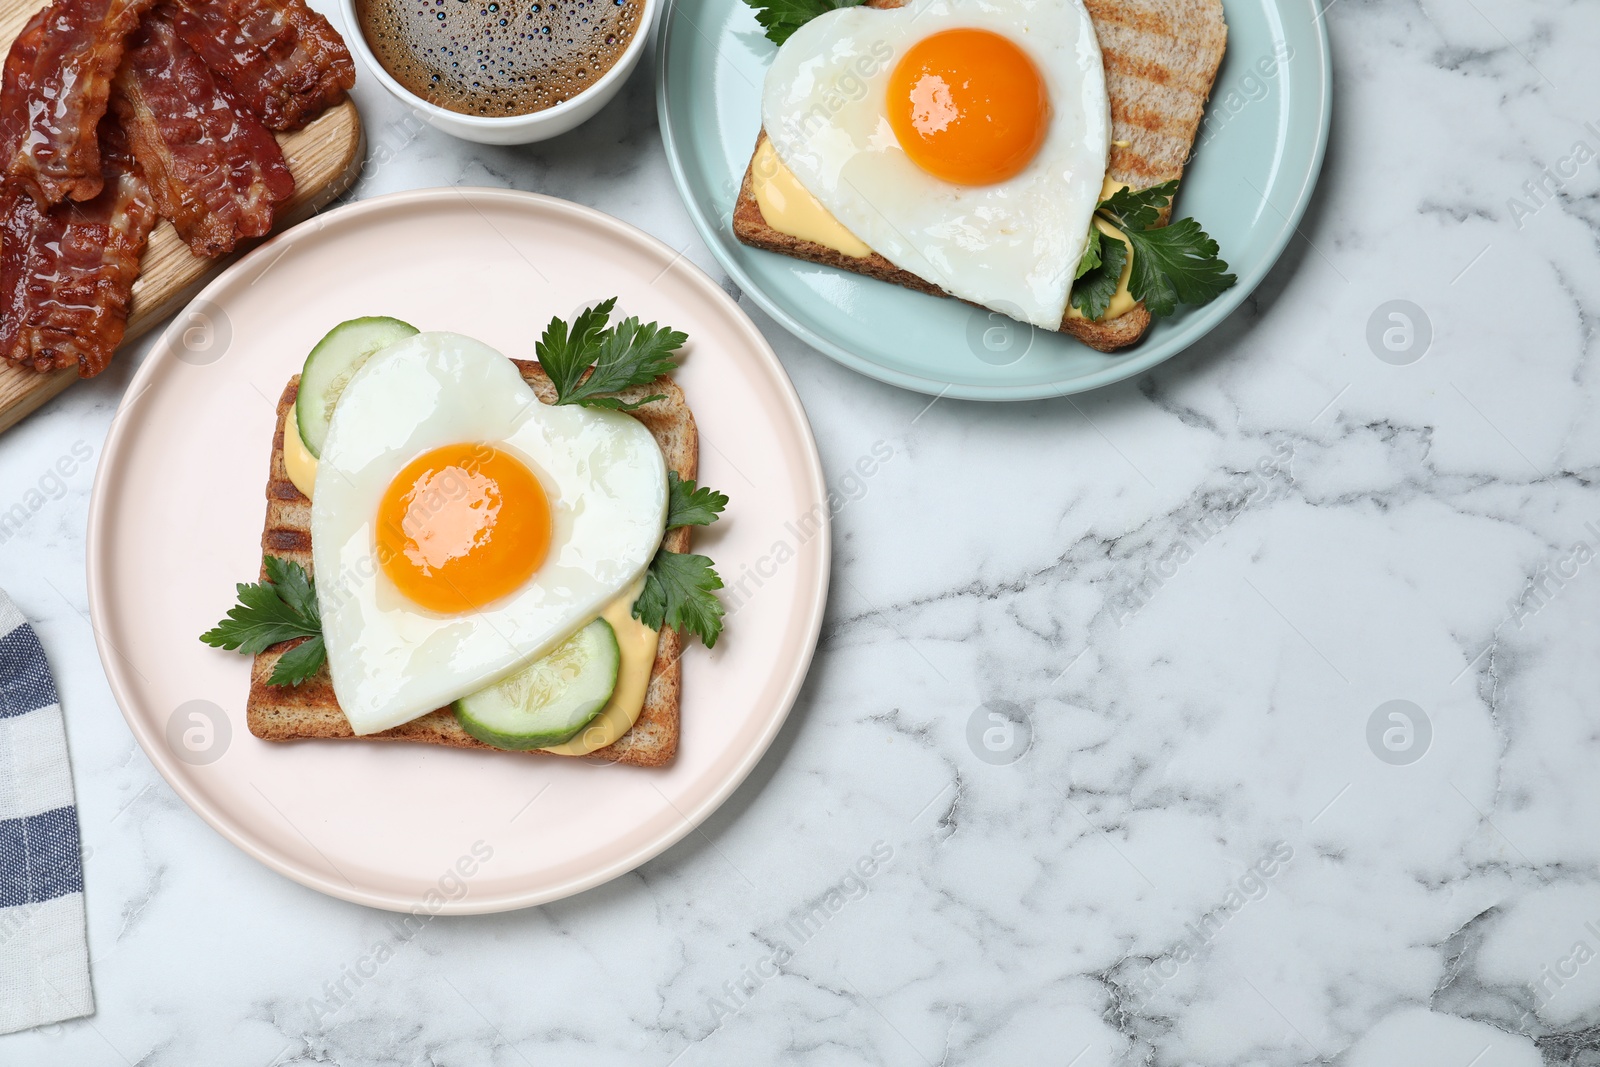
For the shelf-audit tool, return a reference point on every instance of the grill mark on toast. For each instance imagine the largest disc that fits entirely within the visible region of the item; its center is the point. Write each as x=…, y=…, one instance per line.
x=1131, y=66
x=285, y=490
x=1129, y=166
x=278, y=540
x=1143, y=118
x=1119, y=13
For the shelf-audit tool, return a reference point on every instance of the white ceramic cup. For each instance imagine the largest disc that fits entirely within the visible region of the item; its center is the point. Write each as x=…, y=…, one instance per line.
x=509, y=129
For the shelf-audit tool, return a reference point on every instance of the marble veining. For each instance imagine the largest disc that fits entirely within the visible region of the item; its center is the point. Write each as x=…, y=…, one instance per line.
x=1240, y=714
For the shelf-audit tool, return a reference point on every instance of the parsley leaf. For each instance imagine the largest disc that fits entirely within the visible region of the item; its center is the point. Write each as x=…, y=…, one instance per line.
x=281, y=608
x=629, y=354
x=679, y=592
x=1172, y=265
x=1127, y=209
x=780, y=18
x=688, y=506
x=299, y=663
x=623, y=355
x=679, y=587
x=1091, y=253
x=294, y=586
x=1092, y=293
x=562, y=354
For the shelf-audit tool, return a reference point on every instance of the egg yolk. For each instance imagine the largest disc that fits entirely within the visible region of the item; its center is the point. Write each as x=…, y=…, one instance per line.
x=462, y=526
x=968, y=106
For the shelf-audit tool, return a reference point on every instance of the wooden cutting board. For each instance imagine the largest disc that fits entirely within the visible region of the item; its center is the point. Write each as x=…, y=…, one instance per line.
x=325, y=159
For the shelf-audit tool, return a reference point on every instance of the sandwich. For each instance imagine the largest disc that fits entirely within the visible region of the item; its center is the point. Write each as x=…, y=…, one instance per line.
x=468, y=550
x=1021, y=155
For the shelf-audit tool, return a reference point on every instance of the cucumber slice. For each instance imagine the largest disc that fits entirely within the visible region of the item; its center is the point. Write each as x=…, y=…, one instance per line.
x=552, y=699
x=329, y=367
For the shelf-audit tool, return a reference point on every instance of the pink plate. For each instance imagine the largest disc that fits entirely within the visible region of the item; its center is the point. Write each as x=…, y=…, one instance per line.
x=176, y=520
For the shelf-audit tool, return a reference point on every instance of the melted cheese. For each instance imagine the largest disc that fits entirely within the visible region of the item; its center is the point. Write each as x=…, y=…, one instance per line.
x=788, y=207
x=637, y=644
x=297, y=458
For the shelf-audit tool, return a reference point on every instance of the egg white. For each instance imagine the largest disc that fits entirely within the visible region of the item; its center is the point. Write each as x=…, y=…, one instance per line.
x=392, y=660
x=1012, y=246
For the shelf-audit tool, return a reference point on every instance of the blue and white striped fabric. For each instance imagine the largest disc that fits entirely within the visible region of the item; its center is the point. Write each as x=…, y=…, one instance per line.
x=44, y=956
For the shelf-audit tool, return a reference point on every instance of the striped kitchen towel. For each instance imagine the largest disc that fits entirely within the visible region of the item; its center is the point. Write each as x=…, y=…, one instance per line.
x=44, y=956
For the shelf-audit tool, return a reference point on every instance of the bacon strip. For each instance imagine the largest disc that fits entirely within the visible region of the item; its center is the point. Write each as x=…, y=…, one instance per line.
x=282, y=59
x=66, y=275
x=53, y=94
x=213, y=168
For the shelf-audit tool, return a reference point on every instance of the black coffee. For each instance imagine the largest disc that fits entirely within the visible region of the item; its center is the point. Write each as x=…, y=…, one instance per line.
x=497, y=57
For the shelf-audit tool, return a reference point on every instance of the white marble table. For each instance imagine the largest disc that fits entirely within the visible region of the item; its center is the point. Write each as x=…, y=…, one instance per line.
x=1209, y=843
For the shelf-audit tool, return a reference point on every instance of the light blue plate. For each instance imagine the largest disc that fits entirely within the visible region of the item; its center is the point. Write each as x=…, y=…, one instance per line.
x=1259, y=151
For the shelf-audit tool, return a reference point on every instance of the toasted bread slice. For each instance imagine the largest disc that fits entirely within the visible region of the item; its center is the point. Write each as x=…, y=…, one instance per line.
x=1161, y=57
x=310, y=710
